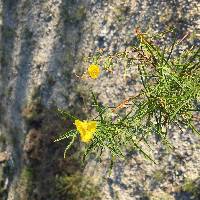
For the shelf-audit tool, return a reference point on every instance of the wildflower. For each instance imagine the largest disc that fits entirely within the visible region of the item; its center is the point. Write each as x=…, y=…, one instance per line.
x=93, y=71
x=86, y=129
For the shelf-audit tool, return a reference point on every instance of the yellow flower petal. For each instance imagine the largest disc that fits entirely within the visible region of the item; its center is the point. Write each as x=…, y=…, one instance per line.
x=86, y=129
x=93, y=71
x=79, y=125
x=86, y=137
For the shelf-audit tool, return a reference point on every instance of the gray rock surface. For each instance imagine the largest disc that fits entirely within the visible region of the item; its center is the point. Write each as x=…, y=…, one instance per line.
x=41, y=46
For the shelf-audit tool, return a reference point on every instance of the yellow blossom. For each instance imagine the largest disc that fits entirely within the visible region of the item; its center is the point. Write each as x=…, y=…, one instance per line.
x=93, y=71
x=86, y=129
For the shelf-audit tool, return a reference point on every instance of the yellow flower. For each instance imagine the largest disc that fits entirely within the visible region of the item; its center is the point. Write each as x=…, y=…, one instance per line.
x=93, y=71
x=86, y=129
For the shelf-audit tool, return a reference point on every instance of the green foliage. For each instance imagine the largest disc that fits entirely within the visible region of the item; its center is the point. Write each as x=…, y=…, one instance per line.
x=169, y=97
x=77, y=187
x=27, y=174
x=159, y=175
x=192, y=187
x=25, y=185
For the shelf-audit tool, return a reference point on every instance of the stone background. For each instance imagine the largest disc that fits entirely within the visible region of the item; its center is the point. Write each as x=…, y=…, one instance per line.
x=42, y=43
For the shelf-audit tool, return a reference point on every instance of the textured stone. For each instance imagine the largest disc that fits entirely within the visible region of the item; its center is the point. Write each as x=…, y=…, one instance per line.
x=42, y=43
